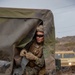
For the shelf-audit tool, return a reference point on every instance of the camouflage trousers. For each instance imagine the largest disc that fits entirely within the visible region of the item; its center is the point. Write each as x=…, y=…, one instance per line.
x=34, y=71
x=31, y=71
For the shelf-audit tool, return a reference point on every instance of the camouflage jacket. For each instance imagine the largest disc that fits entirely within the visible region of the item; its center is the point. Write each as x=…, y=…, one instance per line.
x=37, y=50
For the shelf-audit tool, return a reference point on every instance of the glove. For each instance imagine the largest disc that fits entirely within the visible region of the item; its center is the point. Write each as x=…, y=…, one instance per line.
x=31, y=56
x=23, y=52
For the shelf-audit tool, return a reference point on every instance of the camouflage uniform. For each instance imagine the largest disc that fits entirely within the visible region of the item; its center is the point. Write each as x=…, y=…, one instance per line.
x=33, y=67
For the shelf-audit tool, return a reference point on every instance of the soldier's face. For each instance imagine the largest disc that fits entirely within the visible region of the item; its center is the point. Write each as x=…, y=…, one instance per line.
x=39, y=37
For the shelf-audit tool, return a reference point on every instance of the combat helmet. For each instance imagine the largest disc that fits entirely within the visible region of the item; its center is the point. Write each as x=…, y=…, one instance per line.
x=40, y=28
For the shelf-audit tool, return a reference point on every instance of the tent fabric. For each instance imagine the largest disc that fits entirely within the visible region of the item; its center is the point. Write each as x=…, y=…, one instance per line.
x=18, y=26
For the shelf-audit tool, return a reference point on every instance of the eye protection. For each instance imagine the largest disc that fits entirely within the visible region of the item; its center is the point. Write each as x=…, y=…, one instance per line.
x=39, y=35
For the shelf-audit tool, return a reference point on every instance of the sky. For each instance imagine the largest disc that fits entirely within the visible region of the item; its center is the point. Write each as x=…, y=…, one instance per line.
x=63, y=11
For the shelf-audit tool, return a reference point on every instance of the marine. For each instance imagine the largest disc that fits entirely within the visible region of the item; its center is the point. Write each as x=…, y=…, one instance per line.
x=36, y=64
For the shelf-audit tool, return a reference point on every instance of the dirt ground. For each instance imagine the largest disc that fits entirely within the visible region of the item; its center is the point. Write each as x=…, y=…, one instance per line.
x=70, y=71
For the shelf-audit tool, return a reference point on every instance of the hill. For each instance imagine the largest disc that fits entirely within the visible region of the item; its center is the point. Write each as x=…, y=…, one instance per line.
x=65, y=43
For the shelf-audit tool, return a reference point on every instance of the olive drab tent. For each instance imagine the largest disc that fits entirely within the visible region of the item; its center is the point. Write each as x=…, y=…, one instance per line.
x=17, y=28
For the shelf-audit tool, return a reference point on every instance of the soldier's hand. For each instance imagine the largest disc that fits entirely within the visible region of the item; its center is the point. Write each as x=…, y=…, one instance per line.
x=23, y=52
x=31, y=56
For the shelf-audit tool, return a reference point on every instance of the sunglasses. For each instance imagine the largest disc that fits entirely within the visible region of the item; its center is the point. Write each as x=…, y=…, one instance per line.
x=39, y=35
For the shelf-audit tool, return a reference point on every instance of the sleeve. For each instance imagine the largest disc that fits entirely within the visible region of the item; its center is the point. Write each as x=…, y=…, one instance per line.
x=40, y=62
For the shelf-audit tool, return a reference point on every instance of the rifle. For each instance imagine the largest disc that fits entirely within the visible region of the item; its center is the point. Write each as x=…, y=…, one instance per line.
x=20, y=70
